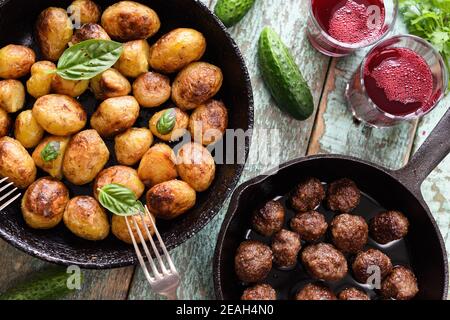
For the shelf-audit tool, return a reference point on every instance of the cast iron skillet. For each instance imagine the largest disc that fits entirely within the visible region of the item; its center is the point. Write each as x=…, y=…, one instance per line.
x=59, y=245
x=399, y=190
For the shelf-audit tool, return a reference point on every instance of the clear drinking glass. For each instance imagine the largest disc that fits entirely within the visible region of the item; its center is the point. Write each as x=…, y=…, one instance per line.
x=364, y=108
x=326, y=44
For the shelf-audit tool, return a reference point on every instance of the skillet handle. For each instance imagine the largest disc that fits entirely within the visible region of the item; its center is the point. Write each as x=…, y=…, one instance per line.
x=428, y=157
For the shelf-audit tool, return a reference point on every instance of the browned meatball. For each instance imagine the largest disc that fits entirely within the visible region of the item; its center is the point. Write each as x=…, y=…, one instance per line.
x=308, y=194
x=324, y=262
x=343, y=196
x=269, y=219
x=349, y=233
x=365, y=262
x=389, y=226
x=285, y=247
x=311, y=226
x=260, y=292
x=353, y=294
x=401, y=284
x=253, y=261
x=315, y=291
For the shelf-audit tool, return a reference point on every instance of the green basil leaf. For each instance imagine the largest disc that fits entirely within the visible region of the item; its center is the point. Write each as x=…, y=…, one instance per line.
x=50, y=151
x=167, y=121
x=119, y=200
x=89, y=58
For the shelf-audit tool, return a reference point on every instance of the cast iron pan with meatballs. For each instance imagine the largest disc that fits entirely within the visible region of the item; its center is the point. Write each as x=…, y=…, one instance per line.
x=320, y=228
x=108, y=130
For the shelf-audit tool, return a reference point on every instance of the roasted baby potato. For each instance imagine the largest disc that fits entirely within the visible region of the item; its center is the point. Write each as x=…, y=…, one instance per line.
x=59, y=115
x=27, y=131
x=85, y=157
x=16, y=163
x=131, y=145
x=134, y=59
x=52, y=167
x=69, y=87
x=180, y=128
x=85, y=11
x=129, y=20
x=196, y=166
x=87, y=32
x=15, y=61
x=115, y=115
x=40, y=82
x=86, y=218
x=152, y=89
x=157, y=165
x=5, y=123
x=209, y=122
x=196, y=84
x=54, y=30
x=12, y=95
x=120, y=230
x=44, y=202
x=125, y=176
x=177, y=49
x=170, y=199
x=110, y=84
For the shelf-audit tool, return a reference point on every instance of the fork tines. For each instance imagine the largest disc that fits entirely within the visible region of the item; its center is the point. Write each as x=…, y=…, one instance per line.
x=8, y=193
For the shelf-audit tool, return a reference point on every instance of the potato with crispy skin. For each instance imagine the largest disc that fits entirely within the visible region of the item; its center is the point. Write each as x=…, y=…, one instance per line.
x=89, y=31
x=134, y=59
x=180, y=128
x=5, y=123
x=44, y=202
x=125, y=176
x=196, y=84
x=59, y=115
x=131, y=145
x=52, y=167
x=129, y=20
x=27, y=130
x=170, y=199
x=85, y=157
x=12, y=95
x=209, y=122
x=110, y=84
x=177, y=49
x=15, y=61
x=54, y=30
x=157, y=165
x=16, y=163
x=85, y=218
x=115, y=115
x=120, y=230
x=72, y=88
x=40, y=82
x=85, y=11
x=196, y=166
x=152, y=89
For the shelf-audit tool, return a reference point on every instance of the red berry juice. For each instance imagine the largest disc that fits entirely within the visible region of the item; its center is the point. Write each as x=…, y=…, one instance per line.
x=350, y=21
x=399, y=81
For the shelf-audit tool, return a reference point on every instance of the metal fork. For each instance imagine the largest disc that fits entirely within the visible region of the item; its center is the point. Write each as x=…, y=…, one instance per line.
x=165, y=280
x=7, y=193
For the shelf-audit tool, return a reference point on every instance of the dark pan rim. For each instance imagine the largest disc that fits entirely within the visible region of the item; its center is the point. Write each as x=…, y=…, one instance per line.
x=235, y=202
x=201, y=223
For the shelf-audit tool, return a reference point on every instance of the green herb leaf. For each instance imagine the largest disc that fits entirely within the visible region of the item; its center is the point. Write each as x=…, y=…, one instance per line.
x=50, y=151
x=167, y=121
x=119, y=200
x=89, y=58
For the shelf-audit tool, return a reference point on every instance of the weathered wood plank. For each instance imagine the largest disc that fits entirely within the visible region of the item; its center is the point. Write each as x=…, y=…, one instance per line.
x=194, y=258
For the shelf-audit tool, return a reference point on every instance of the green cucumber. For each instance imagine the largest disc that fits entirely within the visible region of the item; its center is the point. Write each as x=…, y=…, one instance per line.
x=49, y=284
x=231, y=12
x=283, y=77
